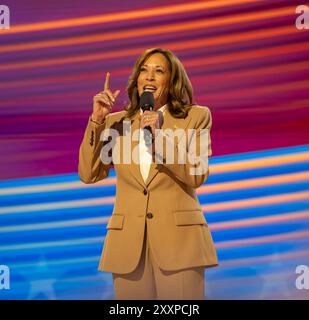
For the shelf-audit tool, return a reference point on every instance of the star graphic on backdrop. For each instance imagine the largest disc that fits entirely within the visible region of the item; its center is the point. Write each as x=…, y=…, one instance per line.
x=42, y=287
x=269, y=287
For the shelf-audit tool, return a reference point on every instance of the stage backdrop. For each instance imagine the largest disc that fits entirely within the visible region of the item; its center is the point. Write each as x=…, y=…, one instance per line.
x=247, y=61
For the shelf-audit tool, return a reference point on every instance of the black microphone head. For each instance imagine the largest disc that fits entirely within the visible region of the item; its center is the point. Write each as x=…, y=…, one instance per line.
x=146, y=101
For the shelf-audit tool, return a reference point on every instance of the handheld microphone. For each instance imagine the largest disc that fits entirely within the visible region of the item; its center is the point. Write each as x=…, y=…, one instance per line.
x=147, y=103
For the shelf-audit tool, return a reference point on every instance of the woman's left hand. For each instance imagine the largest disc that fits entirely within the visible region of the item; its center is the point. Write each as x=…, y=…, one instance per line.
x=150, y=118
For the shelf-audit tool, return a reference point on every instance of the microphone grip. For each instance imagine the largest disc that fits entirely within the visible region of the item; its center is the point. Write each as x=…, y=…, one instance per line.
x=148, y=135
x=148, y=132
x=149, y=129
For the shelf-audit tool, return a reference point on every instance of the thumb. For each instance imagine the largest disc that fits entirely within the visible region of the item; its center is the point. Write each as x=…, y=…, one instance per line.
x=116, y=93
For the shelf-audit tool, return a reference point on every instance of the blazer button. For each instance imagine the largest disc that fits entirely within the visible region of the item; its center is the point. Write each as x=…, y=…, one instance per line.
x=145, y=192
x=149, y=215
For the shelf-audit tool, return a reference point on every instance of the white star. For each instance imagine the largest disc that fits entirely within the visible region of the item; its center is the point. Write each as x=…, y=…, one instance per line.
x=275, y=288
x=42, y=285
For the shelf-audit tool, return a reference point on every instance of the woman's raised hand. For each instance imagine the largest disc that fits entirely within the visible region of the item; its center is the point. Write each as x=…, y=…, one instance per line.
x=104, y=101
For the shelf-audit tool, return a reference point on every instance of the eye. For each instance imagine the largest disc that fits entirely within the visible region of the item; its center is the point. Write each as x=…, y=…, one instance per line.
x=142, y=69
x=160, y=71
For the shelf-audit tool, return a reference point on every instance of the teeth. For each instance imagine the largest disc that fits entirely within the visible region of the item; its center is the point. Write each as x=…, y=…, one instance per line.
x=150, y=88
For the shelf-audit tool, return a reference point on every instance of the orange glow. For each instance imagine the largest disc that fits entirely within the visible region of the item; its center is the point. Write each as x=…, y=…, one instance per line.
x=189, y=45
x=170, y=28
x=123, y=16
x=292, y=216
x=254, y=182
x=260, y=163
x=255, y=202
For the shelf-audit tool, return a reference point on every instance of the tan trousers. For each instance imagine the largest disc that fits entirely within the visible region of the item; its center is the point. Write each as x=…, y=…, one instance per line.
x=149, y=282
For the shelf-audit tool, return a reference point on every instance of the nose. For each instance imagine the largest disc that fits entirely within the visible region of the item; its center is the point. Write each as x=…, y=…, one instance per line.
x=150, y=75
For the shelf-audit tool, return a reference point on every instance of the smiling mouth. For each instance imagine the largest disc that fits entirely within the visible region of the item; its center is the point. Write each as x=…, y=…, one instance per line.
x=150, y=88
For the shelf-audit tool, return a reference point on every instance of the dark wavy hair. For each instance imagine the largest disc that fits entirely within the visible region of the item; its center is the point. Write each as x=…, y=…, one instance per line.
x=180, y=88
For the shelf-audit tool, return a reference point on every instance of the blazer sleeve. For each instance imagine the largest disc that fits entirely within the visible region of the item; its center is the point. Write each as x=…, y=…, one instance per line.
x=90, y=167
x=194, y=170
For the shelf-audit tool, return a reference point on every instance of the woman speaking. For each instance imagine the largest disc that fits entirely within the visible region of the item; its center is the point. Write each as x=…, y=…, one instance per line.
x=158, y=243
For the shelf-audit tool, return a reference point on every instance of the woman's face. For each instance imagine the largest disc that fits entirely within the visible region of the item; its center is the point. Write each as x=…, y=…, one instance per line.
x=154, y=76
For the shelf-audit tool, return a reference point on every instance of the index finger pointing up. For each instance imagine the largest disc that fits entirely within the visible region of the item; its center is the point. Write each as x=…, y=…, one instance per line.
x=106, y=84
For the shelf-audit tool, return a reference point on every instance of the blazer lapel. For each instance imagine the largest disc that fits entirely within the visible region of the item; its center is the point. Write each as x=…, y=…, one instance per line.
x=169, y=122
x=134, y=167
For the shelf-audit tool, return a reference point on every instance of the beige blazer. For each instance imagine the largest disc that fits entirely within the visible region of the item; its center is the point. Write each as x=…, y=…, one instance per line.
x=178, y=232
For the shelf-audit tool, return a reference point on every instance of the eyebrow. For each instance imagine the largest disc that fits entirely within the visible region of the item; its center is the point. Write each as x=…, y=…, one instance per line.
x=157, y=66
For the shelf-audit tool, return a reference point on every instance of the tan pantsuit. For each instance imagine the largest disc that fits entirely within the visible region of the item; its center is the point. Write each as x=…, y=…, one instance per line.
x=149, y=282
x=181, y=245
